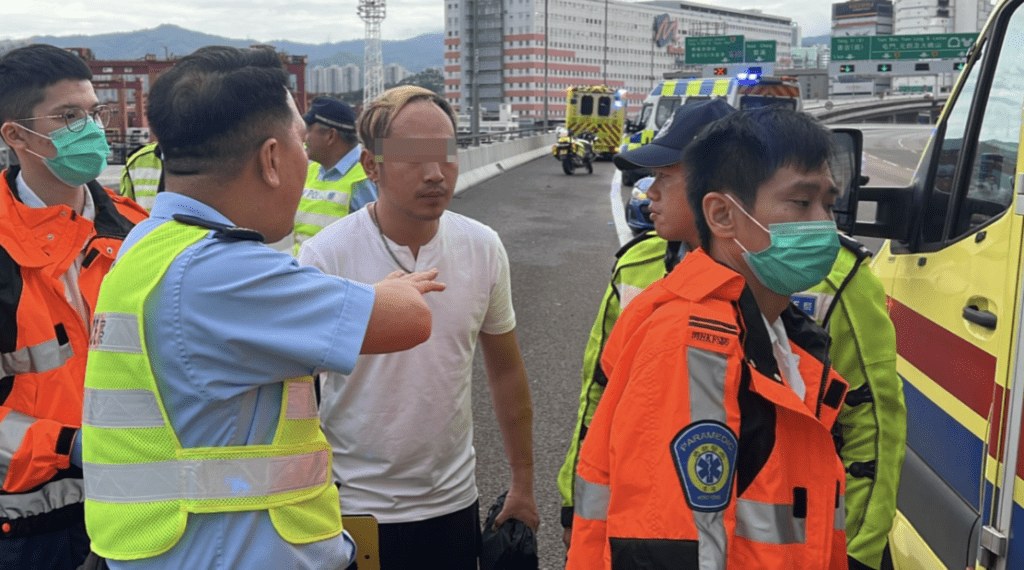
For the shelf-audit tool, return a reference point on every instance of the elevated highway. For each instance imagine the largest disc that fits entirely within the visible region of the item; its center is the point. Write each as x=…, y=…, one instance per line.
x=892, y=109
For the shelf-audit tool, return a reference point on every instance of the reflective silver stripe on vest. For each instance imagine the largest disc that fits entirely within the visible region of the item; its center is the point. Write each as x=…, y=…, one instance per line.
x=121, y=409
x=48, y=498
x=840, y=517
x=115, y=332
x=144, y=173
x=769, y=523
x=707, y=384
x=590, y=500
x=301, y=401
x=13, y=428
x=707, y=402
x=711, y=539
x=315, y=219
x=35, y=359
x=205, y=479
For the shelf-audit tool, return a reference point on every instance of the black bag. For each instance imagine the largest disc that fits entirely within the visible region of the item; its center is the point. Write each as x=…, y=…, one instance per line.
x=513, y=546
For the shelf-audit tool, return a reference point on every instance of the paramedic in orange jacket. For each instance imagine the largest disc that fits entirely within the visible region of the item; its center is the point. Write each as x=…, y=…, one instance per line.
x=60, y=231
x=711, y=447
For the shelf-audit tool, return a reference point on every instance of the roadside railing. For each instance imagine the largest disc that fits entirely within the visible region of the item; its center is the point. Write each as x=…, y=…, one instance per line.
x=466, y=140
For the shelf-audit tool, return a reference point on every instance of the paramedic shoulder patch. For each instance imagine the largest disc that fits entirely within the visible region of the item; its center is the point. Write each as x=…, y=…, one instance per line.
x=705, y=457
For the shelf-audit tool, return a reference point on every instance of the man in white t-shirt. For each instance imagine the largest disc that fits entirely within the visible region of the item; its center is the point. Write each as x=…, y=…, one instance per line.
x=401, y=424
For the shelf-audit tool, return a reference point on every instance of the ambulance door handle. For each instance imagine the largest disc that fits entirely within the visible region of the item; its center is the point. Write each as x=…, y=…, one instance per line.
x=979, y=317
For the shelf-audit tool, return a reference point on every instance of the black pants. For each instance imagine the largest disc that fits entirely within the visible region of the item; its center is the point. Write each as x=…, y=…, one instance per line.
x=60, y=550
x=449, y=542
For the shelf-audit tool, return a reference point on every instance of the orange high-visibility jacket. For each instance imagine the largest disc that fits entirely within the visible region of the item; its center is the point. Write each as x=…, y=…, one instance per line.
x=700, y=455
x=43, y=346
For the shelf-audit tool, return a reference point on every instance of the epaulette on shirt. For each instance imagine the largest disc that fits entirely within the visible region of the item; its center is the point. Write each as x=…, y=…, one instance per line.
x=221, y=231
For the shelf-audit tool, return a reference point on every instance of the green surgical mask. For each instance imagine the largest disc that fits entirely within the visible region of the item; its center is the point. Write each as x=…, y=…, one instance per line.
x=800, y=256
x=81, y=156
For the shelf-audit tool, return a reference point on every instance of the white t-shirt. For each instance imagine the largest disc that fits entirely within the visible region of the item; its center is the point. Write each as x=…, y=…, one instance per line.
x=400, y=424
x=789, y=363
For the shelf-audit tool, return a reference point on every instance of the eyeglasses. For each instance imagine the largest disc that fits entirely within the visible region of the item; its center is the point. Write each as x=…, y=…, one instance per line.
x=74, y=117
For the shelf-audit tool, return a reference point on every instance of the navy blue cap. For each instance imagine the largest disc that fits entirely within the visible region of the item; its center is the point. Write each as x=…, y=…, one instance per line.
x=331, y=112
x=667, y=146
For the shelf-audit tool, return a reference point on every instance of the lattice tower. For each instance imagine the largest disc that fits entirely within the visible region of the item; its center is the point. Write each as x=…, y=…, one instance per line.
x=372, y=12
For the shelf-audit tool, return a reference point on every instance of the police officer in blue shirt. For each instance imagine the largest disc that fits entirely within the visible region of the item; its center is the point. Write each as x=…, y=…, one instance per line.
x=231, y=321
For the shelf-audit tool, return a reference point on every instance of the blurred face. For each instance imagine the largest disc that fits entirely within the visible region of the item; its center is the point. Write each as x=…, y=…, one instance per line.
x=788, y=196
x=670, y=210
x=419, y=167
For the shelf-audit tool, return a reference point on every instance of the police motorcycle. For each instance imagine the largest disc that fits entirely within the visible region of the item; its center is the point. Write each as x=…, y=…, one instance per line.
x=574, y=151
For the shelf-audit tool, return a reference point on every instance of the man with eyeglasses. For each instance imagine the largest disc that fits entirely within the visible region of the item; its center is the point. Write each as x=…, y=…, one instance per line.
x=60, y=231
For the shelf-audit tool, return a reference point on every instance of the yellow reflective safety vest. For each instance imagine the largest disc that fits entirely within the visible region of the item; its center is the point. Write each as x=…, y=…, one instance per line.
x=141, y=484
x=141, y=176
x=324, y=203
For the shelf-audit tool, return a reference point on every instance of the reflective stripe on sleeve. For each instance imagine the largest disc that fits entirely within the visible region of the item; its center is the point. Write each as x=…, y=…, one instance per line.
x=115, y=332
x=769, y=523
x=301, y=401
x=840, y=516
x=707, y=402
x=121, y=409
x=707, y=384
x=48, y=498
x=35, y=359
x=205, y=479
x=13, y=428
x=590, y=500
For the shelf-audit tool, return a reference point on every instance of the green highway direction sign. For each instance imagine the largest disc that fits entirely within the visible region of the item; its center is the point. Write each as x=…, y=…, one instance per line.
x=760, y=51
x=714, y=49
x=912, y=47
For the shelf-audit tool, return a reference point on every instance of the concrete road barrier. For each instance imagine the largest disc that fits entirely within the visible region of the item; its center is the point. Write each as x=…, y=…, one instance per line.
x=476, y=164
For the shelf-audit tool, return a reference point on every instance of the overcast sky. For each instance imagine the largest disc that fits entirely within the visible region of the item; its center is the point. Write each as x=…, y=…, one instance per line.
x=309, y=21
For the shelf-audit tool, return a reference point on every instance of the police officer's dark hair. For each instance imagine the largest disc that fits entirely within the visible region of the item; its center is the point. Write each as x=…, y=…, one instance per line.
x=26, y=72
x=744, y=150
x=216, y=106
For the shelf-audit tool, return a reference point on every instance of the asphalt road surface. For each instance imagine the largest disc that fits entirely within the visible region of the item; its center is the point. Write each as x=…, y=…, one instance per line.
x=556, y=230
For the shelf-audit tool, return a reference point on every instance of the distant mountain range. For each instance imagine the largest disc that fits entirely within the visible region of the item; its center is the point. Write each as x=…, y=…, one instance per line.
x=414, y=54
x=825, y=39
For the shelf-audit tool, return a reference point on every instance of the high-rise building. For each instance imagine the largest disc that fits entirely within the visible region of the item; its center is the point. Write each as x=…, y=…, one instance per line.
x=861, y=18
x=393, y=73
x=497, y=47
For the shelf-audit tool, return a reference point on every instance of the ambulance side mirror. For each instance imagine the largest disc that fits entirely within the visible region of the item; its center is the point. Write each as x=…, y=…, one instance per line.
x=846, y=171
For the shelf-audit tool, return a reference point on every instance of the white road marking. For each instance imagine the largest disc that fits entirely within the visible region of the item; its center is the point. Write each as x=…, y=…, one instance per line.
x=618, y=212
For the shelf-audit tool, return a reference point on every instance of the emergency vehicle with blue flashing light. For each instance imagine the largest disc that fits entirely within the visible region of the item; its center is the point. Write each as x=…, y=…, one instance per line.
x=952, y=267
x=598, y=110
x=745, y=90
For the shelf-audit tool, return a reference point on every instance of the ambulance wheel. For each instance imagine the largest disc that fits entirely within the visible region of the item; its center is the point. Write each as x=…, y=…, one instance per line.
x=567, y=166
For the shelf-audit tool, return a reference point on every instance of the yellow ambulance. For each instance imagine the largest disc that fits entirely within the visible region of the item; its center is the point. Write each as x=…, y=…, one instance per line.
x=599, y=110
x=953, y=268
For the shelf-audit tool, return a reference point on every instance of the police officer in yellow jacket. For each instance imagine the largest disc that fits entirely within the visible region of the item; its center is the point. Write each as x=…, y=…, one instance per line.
x=335, y=182
x=140, y=179
x=871, y=430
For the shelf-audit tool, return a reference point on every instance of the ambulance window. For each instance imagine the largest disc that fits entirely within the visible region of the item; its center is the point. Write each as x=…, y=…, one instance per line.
x=604, y=106
x=990, y=188
x=587, y=105
x=665, y=107
x=934, y=218
x=645, y=114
